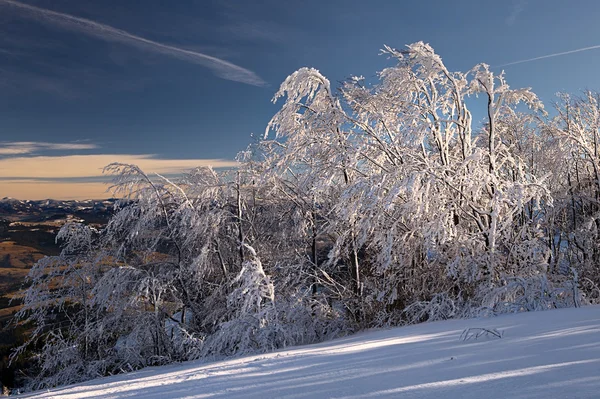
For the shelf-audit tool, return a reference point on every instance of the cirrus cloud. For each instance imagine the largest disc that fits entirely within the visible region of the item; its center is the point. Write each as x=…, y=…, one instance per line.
x=32, y=147
x=220, y=67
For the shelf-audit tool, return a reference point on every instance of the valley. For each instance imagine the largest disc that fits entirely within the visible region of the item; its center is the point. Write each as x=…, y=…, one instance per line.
x=27, y=234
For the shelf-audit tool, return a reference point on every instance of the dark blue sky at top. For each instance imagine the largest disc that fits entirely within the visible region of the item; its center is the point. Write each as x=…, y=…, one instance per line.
x=63, y=85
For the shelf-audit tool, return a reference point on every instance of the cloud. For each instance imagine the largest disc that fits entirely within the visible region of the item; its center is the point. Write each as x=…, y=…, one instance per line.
x=517, y=9
x=80, y=176
x=221, y=68
x=82, y=166
x=31, y=147
x=579, y=50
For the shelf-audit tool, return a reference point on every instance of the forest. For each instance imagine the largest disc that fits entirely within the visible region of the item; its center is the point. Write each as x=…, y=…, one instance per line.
x=361, y=206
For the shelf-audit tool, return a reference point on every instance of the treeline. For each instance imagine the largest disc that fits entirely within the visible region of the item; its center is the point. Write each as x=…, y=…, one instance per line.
x=365, y=206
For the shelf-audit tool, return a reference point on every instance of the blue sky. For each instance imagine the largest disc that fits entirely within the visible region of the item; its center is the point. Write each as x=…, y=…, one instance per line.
x=191, y=80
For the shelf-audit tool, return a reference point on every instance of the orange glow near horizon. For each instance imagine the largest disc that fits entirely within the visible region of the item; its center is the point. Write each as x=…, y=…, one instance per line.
x=25, y=177
x=39, y=190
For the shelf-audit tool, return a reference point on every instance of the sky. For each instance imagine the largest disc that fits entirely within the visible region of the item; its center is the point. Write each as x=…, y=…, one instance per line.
x=174, y=85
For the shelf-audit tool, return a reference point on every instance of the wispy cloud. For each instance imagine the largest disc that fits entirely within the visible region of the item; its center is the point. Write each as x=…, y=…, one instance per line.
x=221, y=68
x=31, y=147
x=82, y=166
x=579, y=50
x=517, y=9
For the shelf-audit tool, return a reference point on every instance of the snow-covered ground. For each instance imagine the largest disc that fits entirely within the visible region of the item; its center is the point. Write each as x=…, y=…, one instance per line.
x=552, y=354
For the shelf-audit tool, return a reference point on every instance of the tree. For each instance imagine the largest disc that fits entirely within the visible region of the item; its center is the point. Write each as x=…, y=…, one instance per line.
x=373, y=205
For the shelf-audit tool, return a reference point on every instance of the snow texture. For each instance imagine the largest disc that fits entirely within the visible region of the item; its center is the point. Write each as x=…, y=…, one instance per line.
x=550, y=354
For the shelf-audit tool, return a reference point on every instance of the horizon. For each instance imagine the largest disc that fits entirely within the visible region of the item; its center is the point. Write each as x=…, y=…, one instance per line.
x=170, y=88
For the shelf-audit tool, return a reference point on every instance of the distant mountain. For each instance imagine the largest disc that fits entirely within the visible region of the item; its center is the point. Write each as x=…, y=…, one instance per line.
x=49, y=209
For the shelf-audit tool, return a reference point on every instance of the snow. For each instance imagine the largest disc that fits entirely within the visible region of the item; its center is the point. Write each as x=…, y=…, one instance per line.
x=550, y=354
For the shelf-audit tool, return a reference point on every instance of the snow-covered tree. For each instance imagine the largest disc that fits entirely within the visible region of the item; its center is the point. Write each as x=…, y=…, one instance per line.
x=376, y=204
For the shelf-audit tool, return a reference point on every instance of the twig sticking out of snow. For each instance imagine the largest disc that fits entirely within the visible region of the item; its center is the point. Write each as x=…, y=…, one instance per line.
x=475, y=333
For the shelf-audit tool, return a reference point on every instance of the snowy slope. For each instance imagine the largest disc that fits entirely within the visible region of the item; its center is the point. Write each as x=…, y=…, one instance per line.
x=552, y=354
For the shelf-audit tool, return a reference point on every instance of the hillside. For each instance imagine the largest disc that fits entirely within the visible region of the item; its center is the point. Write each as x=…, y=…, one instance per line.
x=551, y=354
x=27, y=234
